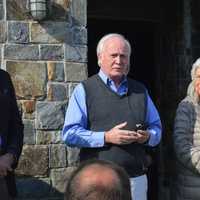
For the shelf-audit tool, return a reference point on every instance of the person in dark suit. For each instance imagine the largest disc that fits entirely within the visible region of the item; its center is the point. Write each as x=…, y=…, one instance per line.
x=11, y=136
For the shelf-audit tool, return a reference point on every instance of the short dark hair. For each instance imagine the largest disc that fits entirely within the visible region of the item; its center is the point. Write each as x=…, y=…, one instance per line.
x=118, y=191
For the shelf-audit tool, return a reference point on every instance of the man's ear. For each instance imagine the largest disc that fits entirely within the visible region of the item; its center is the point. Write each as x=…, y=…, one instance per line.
x=99, y=59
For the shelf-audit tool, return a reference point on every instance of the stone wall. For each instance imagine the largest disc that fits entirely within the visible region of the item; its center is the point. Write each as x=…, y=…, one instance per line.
x=45, y=60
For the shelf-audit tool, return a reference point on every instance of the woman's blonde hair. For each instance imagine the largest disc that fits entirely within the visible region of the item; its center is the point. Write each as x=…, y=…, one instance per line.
x=195, y=66
x=191, y=88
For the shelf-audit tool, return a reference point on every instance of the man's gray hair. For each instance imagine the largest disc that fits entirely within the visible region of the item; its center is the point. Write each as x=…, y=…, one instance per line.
x=101, y=42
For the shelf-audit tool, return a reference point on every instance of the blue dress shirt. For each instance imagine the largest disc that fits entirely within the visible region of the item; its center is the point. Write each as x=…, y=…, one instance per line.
x=74, y=131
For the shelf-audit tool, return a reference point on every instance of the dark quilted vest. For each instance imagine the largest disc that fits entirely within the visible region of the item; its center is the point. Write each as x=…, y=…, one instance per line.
x=105, y=110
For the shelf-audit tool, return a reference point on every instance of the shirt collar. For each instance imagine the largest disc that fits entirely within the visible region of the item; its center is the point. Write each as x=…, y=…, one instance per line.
x=107, y=80
x=103, y=77
x=123, y=88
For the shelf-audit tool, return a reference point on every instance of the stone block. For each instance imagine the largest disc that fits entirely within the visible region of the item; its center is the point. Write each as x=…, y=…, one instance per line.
x=48, y=137
x=2, y=32
x=75, y=71
x=79, y=35
x=55, y=71
x=65, y=107
x=58, y=156
x=71, y=88
x=18, y=32
x=75, y=53
x=30, y=116
x=29, y=188
x=49, y=115
x=17, y=10
x=21, y=52
x=28, y=106
x=51, y=52
x=29, y=78
x=57, y=92
x=60, y=9
x=60, y=177
x=33, y=161
x=50, y=32
x=73, y=156
x=79, y=15
x=29, y=132
x=1, y=12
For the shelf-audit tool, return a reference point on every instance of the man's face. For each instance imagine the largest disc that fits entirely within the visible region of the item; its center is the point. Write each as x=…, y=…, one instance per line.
x=114, y=58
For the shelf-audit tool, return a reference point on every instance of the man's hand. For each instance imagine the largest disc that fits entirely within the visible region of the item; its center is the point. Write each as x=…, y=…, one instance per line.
x=6, y=161
x=143, y=136
x=119, y=136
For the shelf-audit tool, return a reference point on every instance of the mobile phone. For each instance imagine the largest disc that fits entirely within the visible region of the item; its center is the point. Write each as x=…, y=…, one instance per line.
x=139, y=127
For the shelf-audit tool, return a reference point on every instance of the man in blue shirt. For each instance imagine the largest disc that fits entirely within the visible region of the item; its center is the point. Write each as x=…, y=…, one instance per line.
x=112, y=117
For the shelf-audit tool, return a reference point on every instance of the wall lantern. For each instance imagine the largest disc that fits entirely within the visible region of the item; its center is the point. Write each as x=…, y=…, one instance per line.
x=38, y=9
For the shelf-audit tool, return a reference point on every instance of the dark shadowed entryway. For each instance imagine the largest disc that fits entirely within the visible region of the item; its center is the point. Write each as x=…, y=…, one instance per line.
x=141, y=31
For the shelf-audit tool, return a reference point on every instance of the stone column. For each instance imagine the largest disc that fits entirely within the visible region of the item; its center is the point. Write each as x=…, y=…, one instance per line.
x=46, y=60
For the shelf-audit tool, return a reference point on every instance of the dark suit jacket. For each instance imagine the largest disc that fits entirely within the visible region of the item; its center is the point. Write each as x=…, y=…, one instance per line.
x=11, y=126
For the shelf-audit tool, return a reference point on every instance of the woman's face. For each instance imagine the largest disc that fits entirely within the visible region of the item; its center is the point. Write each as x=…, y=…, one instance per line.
x=197, y=82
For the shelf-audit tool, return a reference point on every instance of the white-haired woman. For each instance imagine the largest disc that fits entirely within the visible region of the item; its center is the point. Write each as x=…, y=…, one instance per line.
x=187, y=139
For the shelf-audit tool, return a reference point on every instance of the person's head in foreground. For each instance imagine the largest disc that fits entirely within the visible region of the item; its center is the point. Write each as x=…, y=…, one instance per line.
x=98, y=180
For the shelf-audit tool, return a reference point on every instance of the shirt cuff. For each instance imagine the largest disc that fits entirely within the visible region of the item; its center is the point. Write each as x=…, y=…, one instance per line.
x=98, y=141
x=151, y=140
